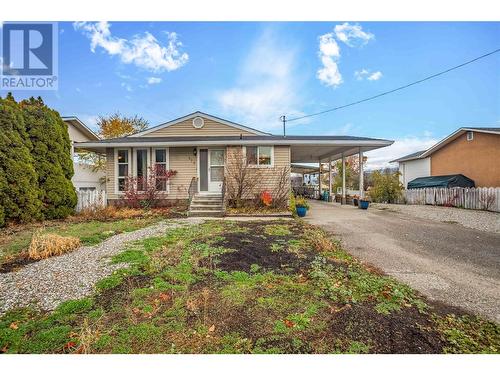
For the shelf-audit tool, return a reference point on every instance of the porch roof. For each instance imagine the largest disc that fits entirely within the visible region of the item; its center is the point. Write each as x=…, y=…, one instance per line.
x=304, y=149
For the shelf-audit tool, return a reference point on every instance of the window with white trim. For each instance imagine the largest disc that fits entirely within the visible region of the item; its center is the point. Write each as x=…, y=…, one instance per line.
x=141, y=163
x=161, y=168
x=470, y=136
x=123, y=168
x=259, y=155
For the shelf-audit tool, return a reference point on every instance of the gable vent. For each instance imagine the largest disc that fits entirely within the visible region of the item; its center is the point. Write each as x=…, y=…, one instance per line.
x=198, y=122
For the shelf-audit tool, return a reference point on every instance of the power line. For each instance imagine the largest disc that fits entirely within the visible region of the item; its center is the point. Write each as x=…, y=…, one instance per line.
x=396, y=89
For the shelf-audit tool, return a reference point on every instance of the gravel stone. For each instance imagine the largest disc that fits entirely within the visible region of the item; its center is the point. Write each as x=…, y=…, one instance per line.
x=485, y=221
x=47, y=283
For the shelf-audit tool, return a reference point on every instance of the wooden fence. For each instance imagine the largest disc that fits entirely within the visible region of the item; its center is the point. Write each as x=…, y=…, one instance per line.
x=91, y=199
x=471, y=198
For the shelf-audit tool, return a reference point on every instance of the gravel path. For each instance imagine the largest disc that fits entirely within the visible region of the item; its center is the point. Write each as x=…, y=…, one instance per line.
x=51, y=281
x=481, y=220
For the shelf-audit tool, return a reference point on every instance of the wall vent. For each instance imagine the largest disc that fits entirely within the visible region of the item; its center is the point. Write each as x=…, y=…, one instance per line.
x=198, y=122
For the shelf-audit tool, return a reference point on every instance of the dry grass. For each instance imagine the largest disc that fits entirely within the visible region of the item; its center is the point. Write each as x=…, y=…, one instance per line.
x=43, y=246
x=110, y=213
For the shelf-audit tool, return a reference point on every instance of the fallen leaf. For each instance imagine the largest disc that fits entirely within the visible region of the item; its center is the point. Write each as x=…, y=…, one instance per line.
x=164, y=296
x=212, y=328
x=4, y=349
x=69, y=345
x=289, y=323
x=13, y=325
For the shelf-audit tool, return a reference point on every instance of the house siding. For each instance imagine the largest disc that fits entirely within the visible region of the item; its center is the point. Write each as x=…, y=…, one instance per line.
x=185, y=128
x=476, y=159
x=268, y=175
x=413, y=169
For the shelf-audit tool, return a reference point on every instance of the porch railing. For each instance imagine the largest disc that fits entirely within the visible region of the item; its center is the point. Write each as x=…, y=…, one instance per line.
x=193, y=188
x=224, y=194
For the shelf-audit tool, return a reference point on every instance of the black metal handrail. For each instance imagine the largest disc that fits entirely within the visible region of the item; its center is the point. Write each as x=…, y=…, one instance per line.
x=193, y=188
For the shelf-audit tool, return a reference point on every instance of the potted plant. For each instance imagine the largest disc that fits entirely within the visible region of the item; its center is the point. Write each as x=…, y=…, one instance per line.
x=355, y=200
x=363, y=204
x=301, y=206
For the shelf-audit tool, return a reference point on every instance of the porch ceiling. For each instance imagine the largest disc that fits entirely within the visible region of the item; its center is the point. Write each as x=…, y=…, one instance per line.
x=314, y=154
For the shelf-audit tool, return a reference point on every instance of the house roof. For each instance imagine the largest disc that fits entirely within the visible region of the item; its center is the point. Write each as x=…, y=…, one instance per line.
x=196, y=114
x=445, y=141
x=77, y=123
x=409, y=157
x=305, y=149
x=457, y=134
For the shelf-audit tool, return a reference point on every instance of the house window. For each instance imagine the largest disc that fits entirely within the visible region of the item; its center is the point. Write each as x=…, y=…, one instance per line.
x=142, y=168
x=259, y=155
x=470, y=136
x=161, y=168
x=123, y=167
x=88, y=188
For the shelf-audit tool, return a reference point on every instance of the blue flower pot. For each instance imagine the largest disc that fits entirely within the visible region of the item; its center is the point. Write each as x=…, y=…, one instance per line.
x=363, y=204
x=301, y=211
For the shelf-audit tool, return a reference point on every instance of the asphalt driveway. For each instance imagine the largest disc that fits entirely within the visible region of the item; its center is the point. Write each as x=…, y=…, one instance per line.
x=444, y=261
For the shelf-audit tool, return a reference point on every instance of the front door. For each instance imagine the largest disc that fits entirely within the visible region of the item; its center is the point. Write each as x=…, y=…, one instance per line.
x=211, y=170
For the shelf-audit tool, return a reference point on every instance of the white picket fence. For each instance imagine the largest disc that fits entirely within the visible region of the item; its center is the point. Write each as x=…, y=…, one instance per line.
x=471, y=198
x=91, y=199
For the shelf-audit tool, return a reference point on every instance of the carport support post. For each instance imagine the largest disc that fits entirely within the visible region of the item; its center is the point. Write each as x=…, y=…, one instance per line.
x=329, y=179
x=361, y=177
x=343, y=180
x=319, y=177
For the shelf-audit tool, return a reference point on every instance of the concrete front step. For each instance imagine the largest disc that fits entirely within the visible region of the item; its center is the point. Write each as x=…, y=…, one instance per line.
x=200, y=213
x=207, y=201
x=206, y=207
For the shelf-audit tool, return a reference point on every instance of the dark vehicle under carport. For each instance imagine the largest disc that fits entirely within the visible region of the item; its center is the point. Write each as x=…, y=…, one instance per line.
x=448, y=181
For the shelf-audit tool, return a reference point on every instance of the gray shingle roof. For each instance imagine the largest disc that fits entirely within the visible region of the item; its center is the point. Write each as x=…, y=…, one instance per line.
x=415, y=155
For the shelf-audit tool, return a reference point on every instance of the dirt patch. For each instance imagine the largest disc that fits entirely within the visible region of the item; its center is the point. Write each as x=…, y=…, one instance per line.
x=403, y=332
x=121, y=293
x=14, y=264
x=257, y=246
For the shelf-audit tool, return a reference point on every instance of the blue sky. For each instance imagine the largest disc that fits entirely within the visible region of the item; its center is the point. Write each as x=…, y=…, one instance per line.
x=253, y=72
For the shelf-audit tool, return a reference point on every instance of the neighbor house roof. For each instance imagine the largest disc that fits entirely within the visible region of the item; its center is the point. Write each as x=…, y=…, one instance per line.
x=409, y=157
x=77, y=123
x=445, y=141
x=202, y=114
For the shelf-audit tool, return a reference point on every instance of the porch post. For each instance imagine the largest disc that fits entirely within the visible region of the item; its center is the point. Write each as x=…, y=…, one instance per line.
x=319, y=177
x=330, y=179
x=343, y=180
x=361, y=177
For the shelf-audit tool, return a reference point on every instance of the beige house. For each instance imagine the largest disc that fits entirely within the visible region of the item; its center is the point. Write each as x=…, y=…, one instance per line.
x=199, y=147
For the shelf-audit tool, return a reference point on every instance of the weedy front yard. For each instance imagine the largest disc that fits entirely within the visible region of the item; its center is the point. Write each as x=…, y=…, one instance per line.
x=246, y=287
x=90, y=229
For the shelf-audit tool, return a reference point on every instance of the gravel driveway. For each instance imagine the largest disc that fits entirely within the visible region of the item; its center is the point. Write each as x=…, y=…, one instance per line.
x=444, y=261
x=51, y=281
x=481, y=220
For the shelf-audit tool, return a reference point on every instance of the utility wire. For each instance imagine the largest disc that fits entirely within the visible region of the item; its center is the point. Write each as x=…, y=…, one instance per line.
x=396, y=89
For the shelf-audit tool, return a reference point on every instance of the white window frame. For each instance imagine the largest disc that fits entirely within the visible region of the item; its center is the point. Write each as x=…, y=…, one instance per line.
x=470, y=135
x=129, y=150
x=263, y=165
x=167, y=163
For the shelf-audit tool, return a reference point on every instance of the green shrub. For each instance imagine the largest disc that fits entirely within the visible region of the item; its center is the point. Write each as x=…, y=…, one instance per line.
x=52, y=158
x=386, y=187
x=301, y=202
x=19, y=191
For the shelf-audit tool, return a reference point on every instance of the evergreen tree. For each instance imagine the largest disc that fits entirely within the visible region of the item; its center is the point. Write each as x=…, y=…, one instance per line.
x=19, y=193
x=52, y=158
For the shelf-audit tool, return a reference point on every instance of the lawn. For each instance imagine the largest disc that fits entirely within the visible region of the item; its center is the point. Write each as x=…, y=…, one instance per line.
x=247, y=287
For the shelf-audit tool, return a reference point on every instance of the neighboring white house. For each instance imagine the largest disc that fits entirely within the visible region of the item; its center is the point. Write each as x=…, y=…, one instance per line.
x=412, y=166
x=84, y=178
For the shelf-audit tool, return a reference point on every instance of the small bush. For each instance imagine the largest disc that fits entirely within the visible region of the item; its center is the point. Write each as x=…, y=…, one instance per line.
x=301, y=202
x=386, y=187
x=47, y=245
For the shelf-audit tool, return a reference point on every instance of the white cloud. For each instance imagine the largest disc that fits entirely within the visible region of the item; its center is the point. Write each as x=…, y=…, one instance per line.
x=352, y=35
x=367, y=74
x=329, y=53
x=375, y=76
x=267, y=85
x=154, y=80
x=381, y=157
x=144, y=51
